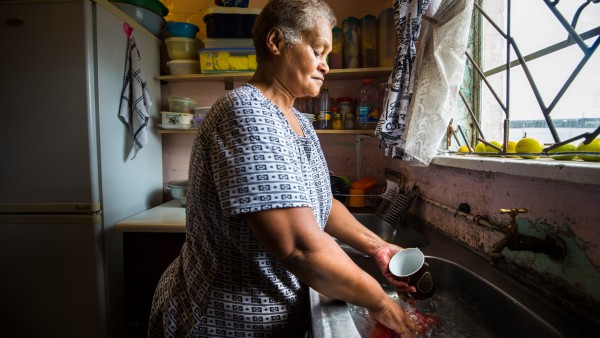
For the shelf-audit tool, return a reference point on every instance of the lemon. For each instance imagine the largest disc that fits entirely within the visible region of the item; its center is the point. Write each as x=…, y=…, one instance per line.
x=511, y=148
x=489, y=149
x=529, y=145
x=594, y=146
x=564, y=147
x=463, y=149
x=480, y=148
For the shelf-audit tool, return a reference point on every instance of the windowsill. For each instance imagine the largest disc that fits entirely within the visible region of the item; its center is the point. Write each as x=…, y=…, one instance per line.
x=545, y=168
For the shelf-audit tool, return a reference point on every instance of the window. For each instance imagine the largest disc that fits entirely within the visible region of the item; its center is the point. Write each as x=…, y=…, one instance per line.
x=551, y=60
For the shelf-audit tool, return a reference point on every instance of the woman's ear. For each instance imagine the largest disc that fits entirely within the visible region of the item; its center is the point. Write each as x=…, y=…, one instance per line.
x=275, y=41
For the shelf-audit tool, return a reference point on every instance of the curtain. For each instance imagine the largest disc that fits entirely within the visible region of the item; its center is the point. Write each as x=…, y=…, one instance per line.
x=422, y=89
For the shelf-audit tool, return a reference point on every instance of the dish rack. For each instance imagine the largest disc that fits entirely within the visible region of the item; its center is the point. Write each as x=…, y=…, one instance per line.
x=396, y=200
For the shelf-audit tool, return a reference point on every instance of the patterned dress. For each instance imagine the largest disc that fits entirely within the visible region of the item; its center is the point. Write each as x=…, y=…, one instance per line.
x=245, y=158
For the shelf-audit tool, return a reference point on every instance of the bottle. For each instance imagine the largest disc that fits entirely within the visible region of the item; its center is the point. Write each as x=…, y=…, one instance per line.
x=387, y=38
x=367, y=110
x=350, y=29
x=335, y=60
x=324, y=112
x=368, y=39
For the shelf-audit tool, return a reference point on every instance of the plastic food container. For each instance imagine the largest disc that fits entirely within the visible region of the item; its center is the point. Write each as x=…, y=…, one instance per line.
x=150, y=20
x=227, y=43
x=182, y=29
x=181, y=67
x=181, y=105
x=154, y=5
x=230, y=22
x=227, y=60
x=182, y=48
x=169, y=117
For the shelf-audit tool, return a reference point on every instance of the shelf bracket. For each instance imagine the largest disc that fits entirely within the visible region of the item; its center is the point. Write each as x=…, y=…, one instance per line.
x=228, y=83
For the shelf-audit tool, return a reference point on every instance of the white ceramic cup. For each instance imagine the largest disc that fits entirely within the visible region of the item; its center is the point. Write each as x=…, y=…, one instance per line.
x=409, y=265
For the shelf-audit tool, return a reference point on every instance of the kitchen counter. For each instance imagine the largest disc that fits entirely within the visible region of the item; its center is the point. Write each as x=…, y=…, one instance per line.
x=168, y=217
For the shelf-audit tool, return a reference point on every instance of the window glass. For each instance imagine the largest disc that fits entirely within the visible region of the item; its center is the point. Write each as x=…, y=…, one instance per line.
x=535, y=28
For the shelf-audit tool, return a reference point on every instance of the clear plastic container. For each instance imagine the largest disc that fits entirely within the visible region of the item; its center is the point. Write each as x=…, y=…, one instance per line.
x=351, y=31
x=182, y=48
x=367, y=109
x=368, y=38
x=181, y=104
x=335, y=60
x=386, y=38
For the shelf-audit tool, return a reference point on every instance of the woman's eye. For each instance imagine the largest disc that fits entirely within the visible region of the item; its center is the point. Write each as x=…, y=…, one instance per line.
x=317, y=53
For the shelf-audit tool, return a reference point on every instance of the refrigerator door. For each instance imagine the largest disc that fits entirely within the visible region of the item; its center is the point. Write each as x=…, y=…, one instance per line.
x=52, y=282
x=47, y=144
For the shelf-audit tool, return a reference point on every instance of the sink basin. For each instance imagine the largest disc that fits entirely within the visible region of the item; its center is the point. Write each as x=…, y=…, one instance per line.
x=404, y=236
x=465, y=304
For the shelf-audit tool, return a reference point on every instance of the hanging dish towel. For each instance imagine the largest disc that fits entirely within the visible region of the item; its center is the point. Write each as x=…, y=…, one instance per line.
x=394, y=118
x=135, y=99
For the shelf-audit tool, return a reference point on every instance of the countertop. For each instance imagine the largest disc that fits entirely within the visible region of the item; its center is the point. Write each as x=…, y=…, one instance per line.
x=167, y=217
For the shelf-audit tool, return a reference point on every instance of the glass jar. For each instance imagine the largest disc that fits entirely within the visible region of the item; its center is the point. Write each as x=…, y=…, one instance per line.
x=351, y=44
x=349, y=121
x=337, y=123
x=345, y=106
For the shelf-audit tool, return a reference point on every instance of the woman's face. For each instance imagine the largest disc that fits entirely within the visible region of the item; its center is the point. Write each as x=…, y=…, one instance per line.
x=305, y=64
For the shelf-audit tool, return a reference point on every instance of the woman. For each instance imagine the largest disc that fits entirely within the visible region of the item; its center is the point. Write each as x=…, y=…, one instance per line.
x=259, y=199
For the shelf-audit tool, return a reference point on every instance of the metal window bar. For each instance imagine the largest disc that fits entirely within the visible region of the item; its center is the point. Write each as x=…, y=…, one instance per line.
x=572, y=38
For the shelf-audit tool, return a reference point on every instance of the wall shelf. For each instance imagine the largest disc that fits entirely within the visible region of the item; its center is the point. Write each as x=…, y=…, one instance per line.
x=334, y=74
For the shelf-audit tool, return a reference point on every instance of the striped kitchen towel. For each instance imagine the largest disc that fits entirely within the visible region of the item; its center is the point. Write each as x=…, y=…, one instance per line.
x=135, y=98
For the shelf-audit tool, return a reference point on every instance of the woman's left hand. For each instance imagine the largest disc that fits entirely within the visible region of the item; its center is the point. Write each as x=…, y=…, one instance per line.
x=382, y=257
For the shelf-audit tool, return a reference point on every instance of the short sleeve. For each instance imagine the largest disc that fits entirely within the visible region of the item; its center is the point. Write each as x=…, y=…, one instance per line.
x=256, y=162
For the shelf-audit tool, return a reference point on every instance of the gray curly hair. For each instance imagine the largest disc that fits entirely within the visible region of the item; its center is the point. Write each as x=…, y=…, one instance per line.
x=293, y=17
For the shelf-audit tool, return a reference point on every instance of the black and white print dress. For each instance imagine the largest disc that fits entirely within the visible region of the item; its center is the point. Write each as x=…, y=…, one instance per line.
x=245, y=158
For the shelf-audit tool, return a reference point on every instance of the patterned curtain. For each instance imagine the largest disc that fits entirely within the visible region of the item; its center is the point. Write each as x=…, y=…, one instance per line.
x=422, y=89
x=393, y=120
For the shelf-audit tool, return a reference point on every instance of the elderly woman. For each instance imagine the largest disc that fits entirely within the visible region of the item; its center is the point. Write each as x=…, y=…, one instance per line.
x=260, y=213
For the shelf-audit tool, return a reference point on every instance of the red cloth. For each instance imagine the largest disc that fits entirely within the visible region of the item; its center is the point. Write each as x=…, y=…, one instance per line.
x=425, y=323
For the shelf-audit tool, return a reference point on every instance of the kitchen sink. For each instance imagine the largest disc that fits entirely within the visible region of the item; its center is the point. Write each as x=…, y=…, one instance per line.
x=485, y=303
x=404, y=236
x=465, y=304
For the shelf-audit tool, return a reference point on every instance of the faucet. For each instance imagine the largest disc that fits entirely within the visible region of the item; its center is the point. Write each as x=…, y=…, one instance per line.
x=552, y=245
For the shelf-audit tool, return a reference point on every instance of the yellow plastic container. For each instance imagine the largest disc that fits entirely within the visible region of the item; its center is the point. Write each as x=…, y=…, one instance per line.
x=227, y=60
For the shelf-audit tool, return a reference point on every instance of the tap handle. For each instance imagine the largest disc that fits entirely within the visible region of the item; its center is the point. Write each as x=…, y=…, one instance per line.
x=513, y=212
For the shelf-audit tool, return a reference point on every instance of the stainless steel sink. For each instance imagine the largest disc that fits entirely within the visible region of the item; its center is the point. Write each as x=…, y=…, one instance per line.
x=466, y=305
x=403, y=236
x=473, y=298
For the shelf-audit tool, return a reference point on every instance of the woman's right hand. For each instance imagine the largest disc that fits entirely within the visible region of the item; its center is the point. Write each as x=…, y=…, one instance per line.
x=395, y=318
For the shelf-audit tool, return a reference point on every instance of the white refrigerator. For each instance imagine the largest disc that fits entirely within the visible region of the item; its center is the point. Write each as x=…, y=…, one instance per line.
x=66, y=173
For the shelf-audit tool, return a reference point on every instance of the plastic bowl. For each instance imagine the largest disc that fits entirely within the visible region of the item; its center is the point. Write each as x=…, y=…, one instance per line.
x=182, y=29
x=145, y=17
x=181, y=104
x=179, y=191
x=182, y=48
x=154, y=5
x=182, y=67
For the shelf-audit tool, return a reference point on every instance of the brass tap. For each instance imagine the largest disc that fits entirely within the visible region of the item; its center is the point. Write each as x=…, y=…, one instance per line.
x=552, y=246
x=512, y=226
